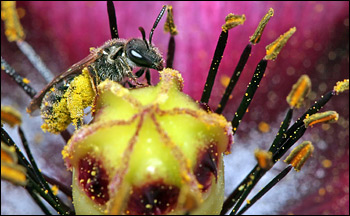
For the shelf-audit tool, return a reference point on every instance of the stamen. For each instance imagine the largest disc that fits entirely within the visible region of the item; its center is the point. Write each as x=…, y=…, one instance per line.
x=325, y=117
x=34, y=183
x=281, y=132
x=255, y=38
x=299, y=91
x=36, y=170
x=248, y=96
x=235, y=76
x=243, y=60
x=13, y=27
x=263, y=191
x=10, y=116
x=264, y=159
x=10, y=169
x=14, y=32
x=231, y=21
x=341, y=86
x=35, y=59
x=112, y=19
x=169, y=26
x=17, y=78
x=275, y=47
x=67, y=190
x=299, y=155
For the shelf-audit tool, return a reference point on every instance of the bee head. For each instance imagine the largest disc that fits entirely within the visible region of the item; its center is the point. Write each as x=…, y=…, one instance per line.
x=143, y=54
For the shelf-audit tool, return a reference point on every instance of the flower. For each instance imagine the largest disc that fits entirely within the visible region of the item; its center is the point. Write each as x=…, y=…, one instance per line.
x=62, y=34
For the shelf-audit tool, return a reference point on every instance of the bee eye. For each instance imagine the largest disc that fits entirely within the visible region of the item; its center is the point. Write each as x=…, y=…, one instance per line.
x=136, y=54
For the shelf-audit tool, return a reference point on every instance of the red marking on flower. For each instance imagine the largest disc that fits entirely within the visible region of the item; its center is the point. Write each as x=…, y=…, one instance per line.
x=205, y=107
x=94, y=179
x=153, y=198
x=207, y=166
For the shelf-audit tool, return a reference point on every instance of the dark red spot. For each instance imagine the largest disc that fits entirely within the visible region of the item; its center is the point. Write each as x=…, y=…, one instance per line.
x=94, y=179
x=154, y=198
x=207, y=166
x=205, y=107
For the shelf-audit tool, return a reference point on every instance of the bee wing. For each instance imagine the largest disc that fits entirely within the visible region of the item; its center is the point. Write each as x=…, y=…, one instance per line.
x=74, y=69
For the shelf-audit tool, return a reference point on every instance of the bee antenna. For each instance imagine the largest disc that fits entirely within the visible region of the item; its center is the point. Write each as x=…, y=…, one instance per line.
x=160, y=15
x=143, y=35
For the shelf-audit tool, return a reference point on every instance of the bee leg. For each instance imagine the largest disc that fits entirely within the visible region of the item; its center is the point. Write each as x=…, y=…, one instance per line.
x=80, y=123
x=140, y=72
x=134, y=78
x=148, y=77
x=130, y=84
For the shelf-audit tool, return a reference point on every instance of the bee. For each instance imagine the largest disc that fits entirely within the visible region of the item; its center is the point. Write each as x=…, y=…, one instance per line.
x=114, y=60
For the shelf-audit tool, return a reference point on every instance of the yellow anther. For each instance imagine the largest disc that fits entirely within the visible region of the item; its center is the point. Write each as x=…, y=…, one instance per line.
x=232, y=21
x=255, y=38
x=341, y=86
x=13, y=27
x=273, y=49
x=264, y=159
x=169, y=25
x=299, y=155
x=10, y=116
x=325, y=117
x=299, y=91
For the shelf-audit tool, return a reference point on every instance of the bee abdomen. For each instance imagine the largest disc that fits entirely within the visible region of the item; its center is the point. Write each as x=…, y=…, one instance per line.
x=65, y=102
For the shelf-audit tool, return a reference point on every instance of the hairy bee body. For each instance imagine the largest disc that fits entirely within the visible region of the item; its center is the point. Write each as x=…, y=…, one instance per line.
x=100, y=69
x=114, y=61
